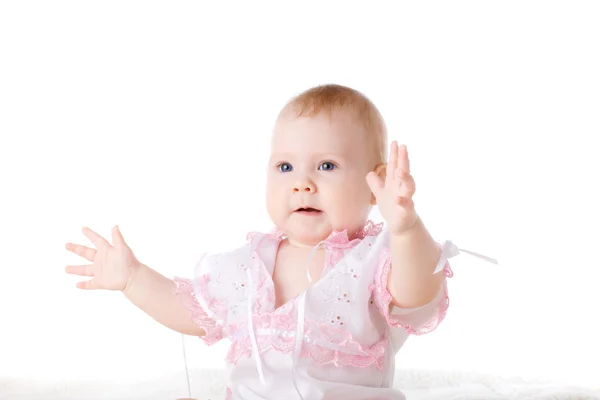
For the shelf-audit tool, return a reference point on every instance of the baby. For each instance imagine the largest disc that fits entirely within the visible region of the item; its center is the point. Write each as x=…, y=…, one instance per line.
x=319, y=307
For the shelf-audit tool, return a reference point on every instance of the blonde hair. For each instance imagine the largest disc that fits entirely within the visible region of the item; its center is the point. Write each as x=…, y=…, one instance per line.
x=331, y=97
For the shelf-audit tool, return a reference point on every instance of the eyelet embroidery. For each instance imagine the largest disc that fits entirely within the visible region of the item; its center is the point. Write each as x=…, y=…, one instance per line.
x=337, y=319
x=337, y=295
x=344, y=298
x=348, y=271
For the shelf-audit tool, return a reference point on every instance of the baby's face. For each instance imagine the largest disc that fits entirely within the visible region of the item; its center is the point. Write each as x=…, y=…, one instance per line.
x=316, y=176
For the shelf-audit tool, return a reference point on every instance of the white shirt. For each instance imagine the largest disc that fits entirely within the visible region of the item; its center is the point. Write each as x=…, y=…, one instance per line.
x=338, y=339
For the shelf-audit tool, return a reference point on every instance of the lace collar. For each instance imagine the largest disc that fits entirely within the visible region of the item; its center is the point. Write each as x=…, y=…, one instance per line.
x=340, y=239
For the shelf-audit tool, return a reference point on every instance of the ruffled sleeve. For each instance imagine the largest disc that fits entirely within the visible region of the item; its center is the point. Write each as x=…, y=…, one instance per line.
x=415, y=321
x=217, y=287
x=188, y=298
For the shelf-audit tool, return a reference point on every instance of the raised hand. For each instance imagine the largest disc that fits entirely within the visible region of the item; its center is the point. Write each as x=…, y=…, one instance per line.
x=112, y=266
x=394, y=192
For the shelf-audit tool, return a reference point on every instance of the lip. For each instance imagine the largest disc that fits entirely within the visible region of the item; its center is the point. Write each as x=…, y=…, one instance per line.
x=308, y=211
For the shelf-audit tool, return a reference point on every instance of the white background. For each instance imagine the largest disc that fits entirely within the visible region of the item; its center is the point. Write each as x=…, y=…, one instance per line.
x=156, y=116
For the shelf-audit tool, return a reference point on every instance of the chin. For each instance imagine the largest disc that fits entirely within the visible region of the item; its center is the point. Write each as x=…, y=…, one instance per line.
x=307, y=233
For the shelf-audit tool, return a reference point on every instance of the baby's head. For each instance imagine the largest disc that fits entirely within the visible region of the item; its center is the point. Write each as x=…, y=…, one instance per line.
x=324, y=143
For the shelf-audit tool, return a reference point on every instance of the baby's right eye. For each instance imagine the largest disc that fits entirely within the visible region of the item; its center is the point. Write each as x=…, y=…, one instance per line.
x=285, y=167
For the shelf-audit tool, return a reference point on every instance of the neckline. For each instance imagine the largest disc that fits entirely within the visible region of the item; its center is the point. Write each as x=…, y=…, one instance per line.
x=336, y=241
x=340, y=237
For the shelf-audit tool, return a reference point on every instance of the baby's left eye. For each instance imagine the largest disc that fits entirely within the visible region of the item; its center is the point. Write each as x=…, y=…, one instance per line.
x=326, y=166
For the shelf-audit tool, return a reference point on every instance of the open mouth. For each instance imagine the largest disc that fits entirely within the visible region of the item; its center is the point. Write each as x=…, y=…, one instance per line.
x=308, y=211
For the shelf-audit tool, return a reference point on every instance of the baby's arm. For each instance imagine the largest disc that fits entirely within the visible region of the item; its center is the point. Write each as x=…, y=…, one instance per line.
x=115, y=267
x=414, y=252
x=414, y=257
x=155, y=294
x=401, y=292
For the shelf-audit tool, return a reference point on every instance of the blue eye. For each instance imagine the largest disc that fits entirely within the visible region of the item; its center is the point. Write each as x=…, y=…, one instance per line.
x=327, y=166
x=285, y=167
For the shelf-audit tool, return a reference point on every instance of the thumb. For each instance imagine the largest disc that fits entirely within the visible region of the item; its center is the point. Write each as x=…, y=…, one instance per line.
x=375, y=183
x=117, y=237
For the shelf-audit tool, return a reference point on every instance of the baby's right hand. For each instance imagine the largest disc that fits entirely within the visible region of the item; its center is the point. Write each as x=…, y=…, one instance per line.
x=113, y=267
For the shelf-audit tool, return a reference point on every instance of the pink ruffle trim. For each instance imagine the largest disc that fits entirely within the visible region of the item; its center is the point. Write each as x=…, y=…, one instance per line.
x=383, y=299
x=318, y=354
x=355, y=356
x=184, y=289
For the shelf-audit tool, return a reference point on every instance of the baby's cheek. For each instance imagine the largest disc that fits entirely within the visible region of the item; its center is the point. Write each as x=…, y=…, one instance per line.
x=356, y=191
x=352, y=203
x=275, y=204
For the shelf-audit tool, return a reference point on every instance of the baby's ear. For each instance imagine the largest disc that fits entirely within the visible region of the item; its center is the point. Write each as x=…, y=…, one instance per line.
x=380, y=171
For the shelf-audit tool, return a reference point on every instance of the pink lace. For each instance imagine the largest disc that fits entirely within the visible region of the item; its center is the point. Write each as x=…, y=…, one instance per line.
x=184, y=289
x=337, y=240
x=340, y=241
x=318, y=354
x=361, y=356
x=323, y=356
x=383, y=298
x=370, y=229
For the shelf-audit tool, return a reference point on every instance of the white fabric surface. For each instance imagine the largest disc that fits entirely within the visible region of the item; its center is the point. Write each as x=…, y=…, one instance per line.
x=210, y=384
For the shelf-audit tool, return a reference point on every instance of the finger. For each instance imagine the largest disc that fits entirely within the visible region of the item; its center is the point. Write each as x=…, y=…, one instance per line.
x=87, y=285
x=117, y=237
x=98, y=240
x=405, y=202
x=392, y=164
x=81, y=270
x=83, y=251
x=403, y=161
x=408, y=187
x=375, y=183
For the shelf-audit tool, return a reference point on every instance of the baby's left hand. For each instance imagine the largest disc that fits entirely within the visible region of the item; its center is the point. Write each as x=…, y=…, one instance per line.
x=394, y=193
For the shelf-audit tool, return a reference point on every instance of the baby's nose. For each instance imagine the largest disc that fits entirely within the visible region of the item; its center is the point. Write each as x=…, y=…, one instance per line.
x=305, y=186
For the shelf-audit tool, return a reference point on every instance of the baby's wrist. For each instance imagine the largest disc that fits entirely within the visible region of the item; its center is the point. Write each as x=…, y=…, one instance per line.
x=408, y=231
x=134, y=271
